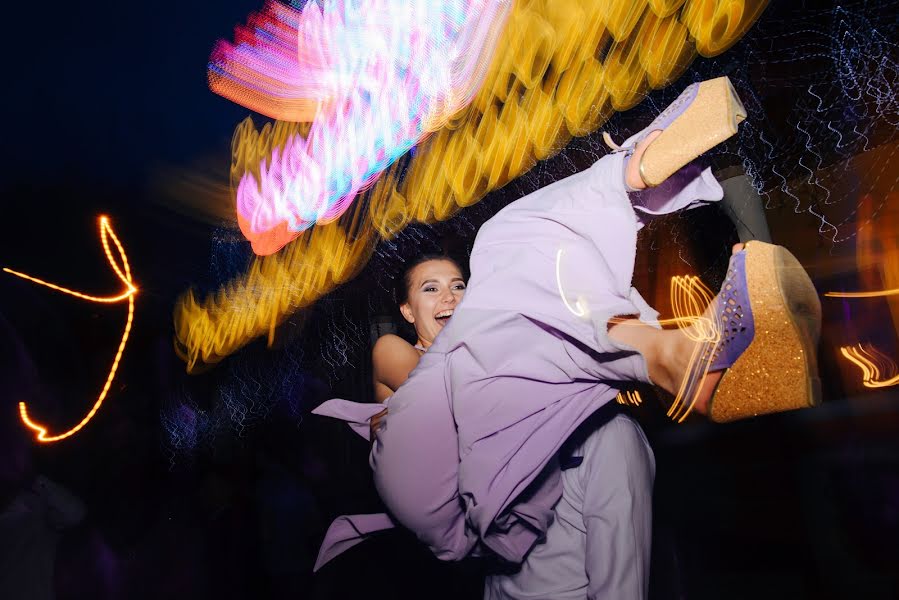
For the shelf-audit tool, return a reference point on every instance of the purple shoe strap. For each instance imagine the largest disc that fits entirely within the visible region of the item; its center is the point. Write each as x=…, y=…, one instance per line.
x=666, y=117
x=734, y=313
x=736, y=328
x=662, y=121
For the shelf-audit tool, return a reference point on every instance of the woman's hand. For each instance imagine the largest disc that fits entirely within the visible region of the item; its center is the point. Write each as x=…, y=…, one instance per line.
x=374, y=424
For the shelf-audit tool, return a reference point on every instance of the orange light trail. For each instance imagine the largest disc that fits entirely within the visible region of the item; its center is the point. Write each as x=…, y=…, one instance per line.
x=629, y=397
x=690, y=298
x=878, y=369
x=874, y=294
x=123, y=272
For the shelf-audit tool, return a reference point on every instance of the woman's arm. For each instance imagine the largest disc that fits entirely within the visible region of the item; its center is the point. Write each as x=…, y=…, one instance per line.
x=393, y=358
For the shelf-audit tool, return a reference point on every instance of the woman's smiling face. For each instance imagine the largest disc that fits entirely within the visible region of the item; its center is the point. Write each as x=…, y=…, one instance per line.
x=435, y=288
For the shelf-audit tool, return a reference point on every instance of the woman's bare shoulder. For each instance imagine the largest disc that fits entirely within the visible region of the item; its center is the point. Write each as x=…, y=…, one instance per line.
x=390, y=342
x=391, y=348
x=392, y=359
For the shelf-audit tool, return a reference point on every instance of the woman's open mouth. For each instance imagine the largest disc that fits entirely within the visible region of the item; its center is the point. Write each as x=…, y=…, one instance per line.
x=443, y=316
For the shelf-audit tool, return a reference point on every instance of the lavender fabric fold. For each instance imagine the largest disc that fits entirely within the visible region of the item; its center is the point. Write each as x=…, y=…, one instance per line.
x=347, y=531
x=356, y=414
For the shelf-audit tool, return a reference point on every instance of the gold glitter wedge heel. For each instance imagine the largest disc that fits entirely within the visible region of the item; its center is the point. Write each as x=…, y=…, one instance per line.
x=700, y=119
x=778, y=369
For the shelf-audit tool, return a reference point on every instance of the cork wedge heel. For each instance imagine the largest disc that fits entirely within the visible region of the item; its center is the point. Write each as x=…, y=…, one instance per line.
x=710, y=118
x=768, y=347
x=704, y=115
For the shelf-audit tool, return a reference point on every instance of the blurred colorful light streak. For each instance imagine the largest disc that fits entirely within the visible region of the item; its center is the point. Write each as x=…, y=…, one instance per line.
x=123, y=272
x=560, y=70
x=373, y=76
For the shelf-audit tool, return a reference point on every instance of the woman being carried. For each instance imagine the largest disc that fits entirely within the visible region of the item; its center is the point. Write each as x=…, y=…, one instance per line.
x=550, y=328
x=608, y=467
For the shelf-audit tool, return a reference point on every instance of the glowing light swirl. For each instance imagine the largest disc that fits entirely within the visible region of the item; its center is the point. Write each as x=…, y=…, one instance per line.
x=123, y=272
x=690, y=301
x=375, y=75
x=878, y=369
x=690, y=298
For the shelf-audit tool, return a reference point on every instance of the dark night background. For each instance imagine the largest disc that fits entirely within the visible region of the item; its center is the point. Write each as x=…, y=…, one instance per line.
x=220, y=485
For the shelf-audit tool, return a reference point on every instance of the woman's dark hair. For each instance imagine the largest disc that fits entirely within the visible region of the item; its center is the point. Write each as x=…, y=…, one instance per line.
x=404, y=281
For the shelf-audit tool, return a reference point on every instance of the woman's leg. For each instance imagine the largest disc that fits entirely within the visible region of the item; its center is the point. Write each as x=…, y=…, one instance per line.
x=666, y=352
x=415, y=458
x=668, y=355
x=632, y=170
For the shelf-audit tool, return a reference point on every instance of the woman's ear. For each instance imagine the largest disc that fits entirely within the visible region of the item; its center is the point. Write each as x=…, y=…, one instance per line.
x=406, y=311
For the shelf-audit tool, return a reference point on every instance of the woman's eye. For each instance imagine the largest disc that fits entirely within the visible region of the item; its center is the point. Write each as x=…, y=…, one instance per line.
x=430, y=289
x=460, y=286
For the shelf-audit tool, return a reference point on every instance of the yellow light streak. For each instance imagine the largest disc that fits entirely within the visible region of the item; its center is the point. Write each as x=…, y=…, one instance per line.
x=872, y=294
x=276, y=286
x=123, y=272
x=878, y=369
x=546, y=84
